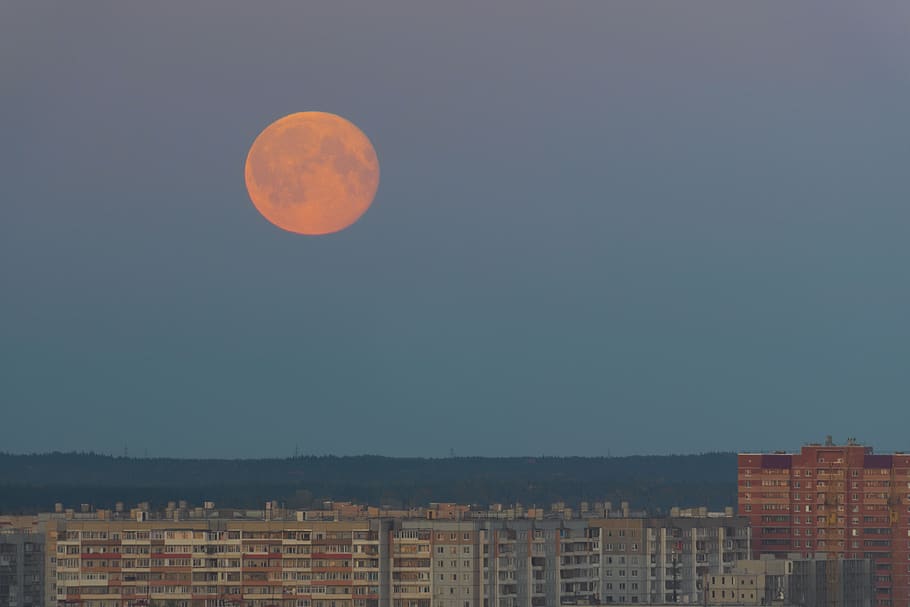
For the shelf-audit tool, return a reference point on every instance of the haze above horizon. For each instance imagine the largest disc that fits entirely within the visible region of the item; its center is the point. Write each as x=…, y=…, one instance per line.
x=624, y=228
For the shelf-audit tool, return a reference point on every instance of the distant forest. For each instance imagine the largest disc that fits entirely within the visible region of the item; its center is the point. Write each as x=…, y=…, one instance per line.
x=32, y=483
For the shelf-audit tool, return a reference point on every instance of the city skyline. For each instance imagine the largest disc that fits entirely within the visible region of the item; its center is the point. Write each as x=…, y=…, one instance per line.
x=816, y=528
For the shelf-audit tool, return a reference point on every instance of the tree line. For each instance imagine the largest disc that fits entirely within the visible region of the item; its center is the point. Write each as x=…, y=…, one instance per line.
x=30, y=483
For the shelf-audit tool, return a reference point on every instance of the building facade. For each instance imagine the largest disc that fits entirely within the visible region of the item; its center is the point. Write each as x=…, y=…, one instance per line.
x=273, y=559
x=406, y=563
x=823, y=582
x=812, y=582
x=665, y=560
x=840, y=501
x=22, y=568
x=216, y=564
x=751, y=582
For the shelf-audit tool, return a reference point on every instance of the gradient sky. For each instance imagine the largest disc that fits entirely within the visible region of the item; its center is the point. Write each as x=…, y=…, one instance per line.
x=602, y=227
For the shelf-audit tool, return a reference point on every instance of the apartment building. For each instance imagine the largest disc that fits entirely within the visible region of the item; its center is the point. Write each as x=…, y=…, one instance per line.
x=22, y=568
x=841, y=501
x=624, y=561
x=542, y=562
x=448, y=570
x=234, y=562
x=343, y=556
x=217, y=563
x=666, y=560
x=494, y=563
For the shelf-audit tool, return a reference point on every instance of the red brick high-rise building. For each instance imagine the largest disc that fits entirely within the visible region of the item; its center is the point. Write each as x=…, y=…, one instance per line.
x=839, y=501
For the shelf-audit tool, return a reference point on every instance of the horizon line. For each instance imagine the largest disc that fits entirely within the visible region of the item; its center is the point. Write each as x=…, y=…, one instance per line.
x=359, y=455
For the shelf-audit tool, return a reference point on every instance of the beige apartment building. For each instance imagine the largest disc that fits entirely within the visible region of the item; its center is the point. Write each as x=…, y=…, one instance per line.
x=290, y=563
x=751, y=582
x=216, y=563
x=349, y=556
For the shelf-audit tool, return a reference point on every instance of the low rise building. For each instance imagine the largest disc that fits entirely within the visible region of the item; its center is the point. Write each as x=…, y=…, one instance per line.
x=751, y=582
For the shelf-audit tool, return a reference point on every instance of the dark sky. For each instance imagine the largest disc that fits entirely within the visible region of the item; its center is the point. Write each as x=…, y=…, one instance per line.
x=602, y=227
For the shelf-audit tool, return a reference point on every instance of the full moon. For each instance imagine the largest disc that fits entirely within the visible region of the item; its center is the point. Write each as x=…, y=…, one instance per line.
x=312, y=173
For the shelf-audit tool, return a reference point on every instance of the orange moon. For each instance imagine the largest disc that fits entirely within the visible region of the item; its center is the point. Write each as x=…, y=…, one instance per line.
x=312, y=173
